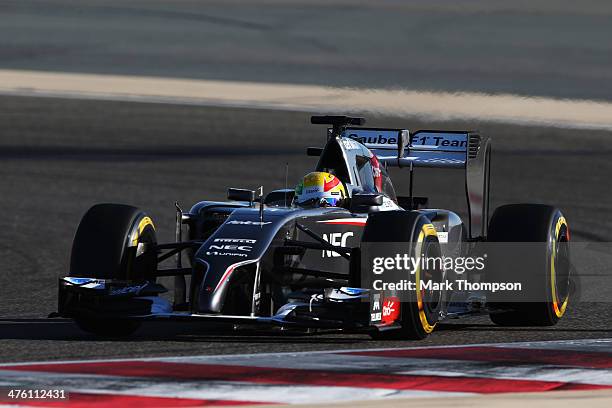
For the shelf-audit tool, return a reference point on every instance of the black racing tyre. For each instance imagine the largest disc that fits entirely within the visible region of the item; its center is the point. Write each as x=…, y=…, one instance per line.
x=107, y=245
x=549, y=265
x=416, y=236
x=103, y=241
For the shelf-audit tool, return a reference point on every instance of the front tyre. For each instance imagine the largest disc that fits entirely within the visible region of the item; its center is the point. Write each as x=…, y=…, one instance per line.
x=115, y=242
x=413, y=234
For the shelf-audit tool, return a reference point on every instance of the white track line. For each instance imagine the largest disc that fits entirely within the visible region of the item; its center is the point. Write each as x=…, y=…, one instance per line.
x=505, y=108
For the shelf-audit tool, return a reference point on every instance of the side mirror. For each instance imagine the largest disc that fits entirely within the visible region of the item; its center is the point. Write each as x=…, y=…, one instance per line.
x=241, y=194
x=282, y=197
x=366, y=200
x=314, y=151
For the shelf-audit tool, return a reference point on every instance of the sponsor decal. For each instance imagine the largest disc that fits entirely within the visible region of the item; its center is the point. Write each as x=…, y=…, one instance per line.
x=376, y=310
x=390, y=138
x=127, y=290
x=336, y=239
x=246, y=222
x=236, y=240
x=378, y=139
x=390, y=310
x=219, y=253
x=457, y=141
x=230, y=247
x=436, y=160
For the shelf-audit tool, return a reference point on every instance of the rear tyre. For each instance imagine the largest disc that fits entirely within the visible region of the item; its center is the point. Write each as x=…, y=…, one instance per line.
x=548, y=282
x=113, y=241
x=420, y=309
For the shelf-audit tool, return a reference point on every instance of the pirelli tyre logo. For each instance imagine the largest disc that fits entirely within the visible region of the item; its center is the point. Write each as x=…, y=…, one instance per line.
x=336, y=239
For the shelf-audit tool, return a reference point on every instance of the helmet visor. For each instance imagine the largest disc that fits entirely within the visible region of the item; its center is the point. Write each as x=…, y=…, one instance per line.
x=320, y=202
x=331, y=202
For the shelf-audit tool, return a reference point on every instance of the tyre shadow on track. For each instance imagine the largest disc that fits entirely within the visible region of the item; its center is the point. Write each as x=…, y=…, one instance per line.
x=66, y=330
x=493, y=328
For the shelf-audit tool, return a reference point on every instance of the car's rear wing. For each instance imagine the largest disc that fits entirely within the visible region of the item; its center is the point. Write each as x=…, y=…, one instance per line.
x=439, y=149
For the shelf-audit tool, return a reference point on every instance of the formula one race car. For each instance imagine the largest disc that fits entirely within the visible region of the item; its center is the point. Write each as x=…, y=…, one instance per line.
x=277, y=262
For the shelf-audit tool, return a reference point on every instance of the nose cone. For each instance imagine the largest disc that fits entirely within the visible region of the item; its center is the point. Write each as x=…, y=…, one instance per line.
x=215, y=286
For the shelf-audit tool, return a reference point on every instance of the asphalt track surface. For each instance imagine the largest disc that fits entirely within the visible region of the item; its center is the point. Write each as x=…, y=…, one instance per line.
x=557, y=48
x=59, y=157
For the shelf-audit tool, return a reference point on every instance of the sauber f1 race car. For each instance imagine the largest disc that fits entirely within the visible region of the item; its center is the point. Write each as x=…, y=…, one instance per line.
x=268, y=261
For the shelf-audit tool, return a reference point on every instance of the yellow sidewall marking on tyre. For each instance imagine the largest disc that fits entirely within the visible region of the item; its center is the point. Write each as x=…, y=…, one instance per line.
x=559, y=311
x=426, y=230
x=141, y=226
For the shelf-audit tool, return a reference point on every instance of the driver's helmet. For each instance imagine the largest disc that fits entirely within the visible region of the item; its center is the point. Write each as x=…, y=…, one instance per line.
x=320, y=189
